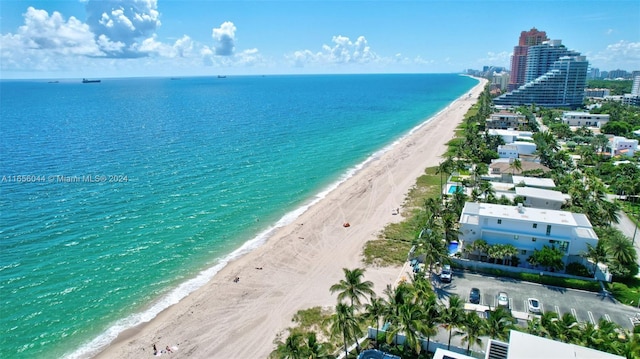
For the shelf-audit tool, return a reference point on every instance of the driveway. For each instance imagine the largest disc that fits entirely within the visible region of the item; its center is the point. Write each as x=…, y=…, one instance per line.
x=585, y=306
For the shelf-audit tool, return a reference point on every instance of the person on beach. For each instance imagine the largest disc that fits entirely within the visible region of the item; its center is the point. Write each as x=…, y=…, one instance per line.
x=168, y=349
x=155, y=350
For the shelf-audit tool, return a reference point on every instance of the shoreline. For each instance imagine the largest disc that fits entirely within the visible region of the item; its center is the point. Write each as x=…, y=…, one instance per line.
x=221, y=317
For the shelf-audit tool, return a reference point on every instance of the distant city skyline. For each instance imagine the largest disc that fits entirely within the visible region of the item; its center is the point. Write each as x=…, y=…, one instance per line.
x=138, y=38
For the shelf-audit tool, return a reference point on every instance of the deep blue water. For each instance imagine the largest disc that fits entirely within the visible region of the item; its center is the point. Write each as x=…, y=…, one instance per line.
x=119, y=198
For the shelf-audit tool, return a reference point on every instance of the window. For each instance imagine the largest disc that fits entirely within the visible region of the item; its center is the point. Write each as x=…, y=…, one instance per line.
x=563, y=246
x=535, y=225
x=499, y=221
x=548, y=229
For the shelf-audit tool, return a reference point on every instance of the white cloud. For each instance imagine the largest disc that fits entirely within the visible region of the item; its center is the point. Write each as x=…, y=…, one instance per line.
x=53, y=33
x=342, y=51
x=124, y=22
x=620, y=55
x=502, y=58
x=183, y=46
x=224, y=37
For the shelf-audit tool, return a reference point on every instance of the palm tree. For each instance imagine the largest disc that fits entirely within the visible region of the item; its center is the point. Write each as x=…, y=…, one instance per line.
x=474, y=328
x=515, y=165
x=352, y=287
x=291, y=348
x=409, y=322
x=396, y=297
x=632, y=346
x=450, y=223
x=610, y=211
x=590, y=336
x=568, y=328
x=374, y=310
x=597, y=254
x=534, y=327
x=548, y=322
x=432, y=247
x=431, y=311
x=445, y=167
x=452, y=316
x=620, y=249
x=315, y=349
x=344, y=324
x=499, y=323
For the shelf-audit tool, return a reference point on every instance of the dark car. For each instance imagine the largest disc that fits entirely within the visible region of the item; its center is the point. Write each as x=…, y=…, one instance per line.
x=474, y=296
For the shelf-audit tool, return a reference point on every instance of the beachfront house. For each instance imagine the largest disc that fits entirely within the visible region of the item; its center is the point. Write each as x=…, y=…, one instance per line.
x=505, y=168
x=510, y=136
x=516, y=149
x=505, y=120
x=584, y=119
x=527, y=229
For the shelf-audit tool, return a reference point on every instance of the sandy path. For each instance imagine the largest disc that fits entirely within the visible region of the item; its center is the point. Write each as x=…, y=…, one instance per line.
x=224, y=319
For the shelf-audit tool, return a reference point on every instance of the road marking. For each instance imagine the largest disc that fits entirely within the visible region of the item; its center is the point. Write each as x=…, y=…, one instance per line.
x=591, y=319
x=607, y=317
x=573, y=312
x=541, y=308
x=526, y=306
x=558, y=310
x=511, y=304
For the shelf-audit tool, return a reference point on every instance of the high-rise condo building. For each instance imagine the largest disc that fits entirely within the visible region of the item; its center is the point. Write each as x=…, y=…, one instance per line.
x=519, y=58
x=554, y=77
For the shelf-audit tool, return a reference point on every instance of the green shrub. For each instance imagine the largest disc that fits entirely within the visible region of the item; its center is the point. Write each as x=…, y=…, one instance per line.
x=578, y=269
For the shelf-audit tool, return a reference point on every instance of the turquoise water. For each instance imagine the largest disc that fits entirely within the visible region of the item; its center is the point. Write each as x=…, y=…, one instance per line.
x=118, y=199
x=453, y=189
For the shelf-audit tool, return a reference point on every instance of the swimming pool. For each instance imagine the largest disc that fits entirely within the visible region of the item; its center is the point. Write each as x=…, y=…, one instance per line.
x=454, y=188
x=453, y=248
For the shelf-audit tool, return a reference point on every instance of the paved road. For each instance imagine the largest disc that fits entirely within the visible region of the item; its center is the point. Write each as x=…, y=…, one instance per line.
x=585, y=306
x=630, y=230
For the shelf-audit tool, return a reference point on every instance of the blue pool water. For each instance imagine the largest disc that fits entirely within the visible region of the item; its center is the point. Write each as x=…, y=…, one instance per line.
x=453, y=189
x=453, y=248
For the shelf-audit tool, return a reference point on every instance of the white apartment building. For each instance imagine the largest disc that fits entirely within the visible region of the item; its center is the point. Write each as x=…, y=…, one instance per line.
x=507, y=151
x=510, y=136
x=527, y=229
x=515, y=149
x=579, y=119
x=623, y=146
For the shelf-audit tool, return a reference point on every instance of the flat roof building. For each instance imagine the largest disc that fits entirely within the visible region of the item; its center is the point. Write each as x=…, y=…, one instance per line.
x=527, y=229
x=580, y=119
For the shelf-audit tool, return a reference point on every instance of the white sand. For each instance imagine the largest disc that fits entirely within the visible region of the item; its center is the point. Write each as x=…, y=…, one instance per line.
x=224, y=319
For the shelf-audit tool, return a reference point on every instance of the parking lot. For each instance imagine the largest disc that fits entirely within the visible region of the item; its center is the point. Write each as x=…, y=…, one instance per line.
x=585, y=306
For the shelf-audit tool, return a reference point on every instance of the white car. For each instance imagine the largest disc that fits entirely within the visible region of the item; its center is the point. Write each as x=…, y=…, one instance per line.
x=534, y=306
x=503, y=300
x=446, y=274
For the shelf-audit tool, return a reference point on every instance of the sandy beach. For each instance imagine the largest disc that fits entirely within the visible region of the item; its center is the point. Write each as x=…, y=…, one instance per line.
x=294, y=269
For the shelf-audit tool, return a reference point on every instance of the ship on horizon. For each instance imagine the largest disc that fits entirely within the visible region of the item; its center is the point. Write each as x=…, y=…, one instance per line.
x=87, y=81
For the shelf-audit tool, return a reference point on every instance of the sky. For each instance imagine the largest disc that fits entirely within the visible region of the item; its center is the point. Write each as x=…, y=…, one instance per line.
x=143, y=38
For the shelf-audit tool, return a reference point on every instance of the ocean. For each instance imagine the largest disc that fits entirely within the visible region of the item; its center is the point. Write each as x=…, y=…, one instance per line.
x=119, y=198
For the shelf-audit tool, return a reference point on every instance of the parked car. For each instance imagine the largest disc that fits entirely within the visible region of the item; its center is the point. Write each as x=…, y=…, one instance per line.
x=446, y=274
x=534, y=306
x=474, y=296
x=503, y=300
